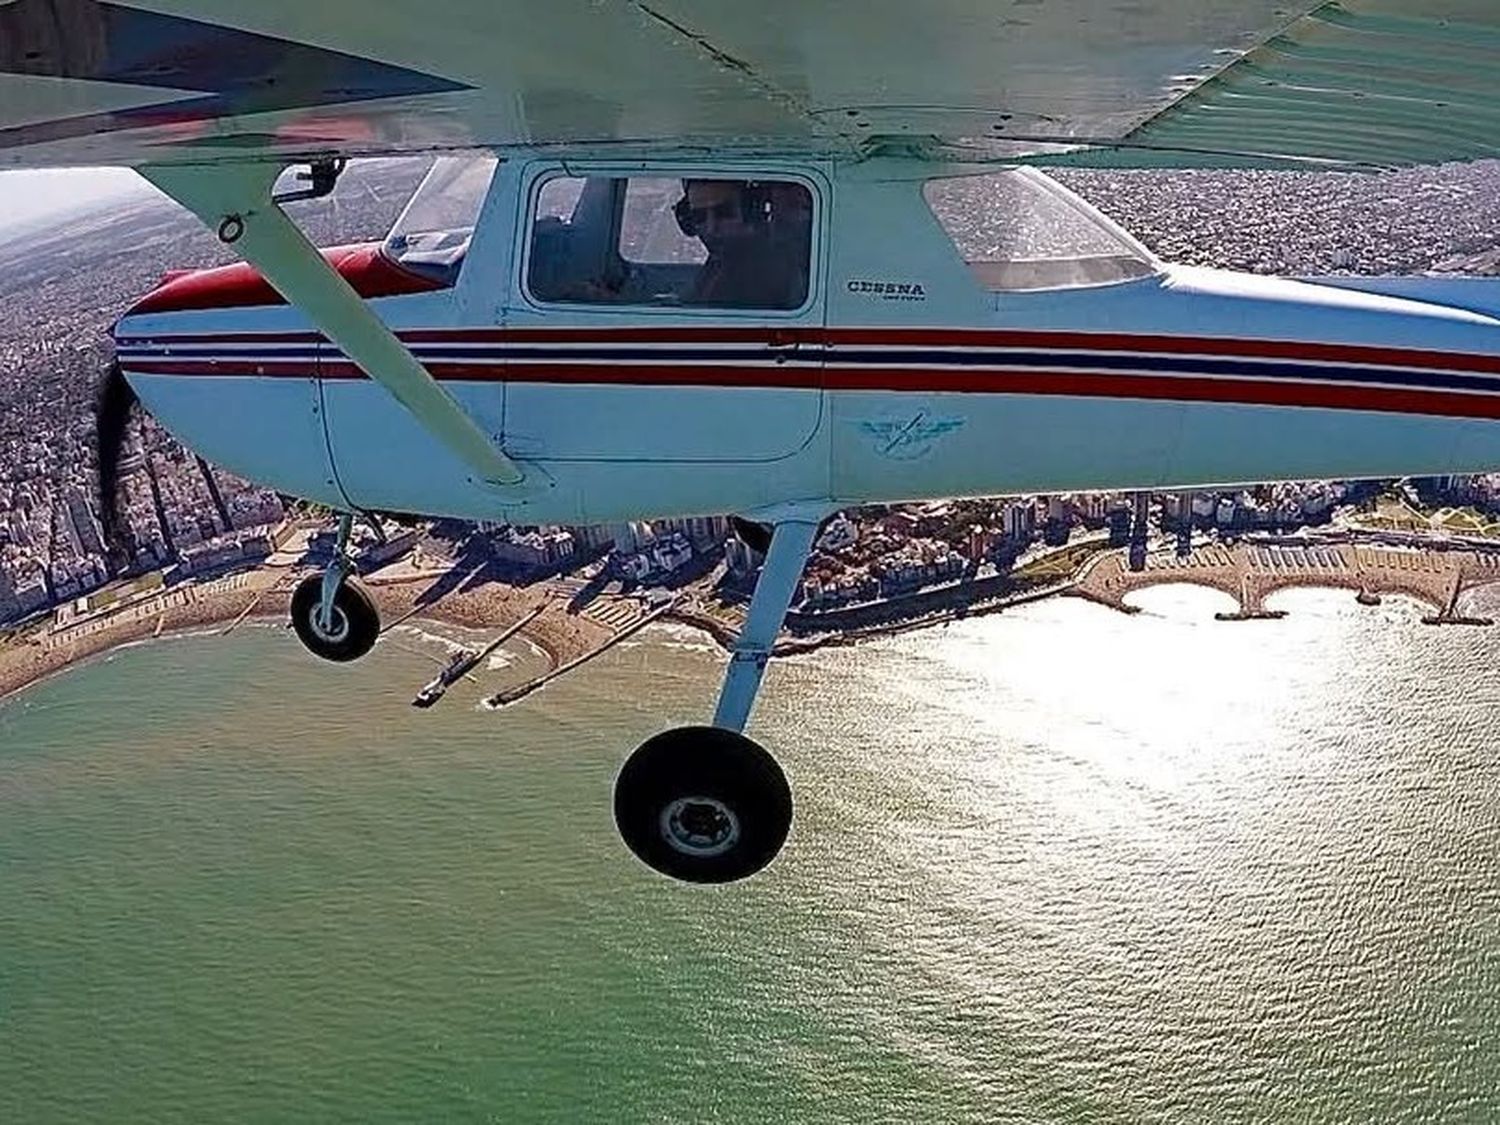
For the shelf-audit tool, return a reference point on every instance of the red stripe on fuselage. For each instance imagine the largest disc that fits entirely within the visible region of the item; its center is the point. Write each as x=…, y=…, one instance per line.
x=1185, y=389
x=1059, y=342
x=834, y=338
x=1210, y=347
x=207, y=368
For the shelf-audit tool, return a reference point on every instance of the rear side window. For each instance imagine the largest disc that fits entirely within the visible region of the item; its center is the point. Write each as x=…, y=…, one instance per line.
x=1018, y=230
x=698, y=243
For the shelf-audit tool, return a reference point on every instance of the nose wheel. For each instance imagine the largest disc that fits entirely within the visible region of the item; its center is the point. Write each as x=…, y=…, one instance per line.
x=347, y=631
x=333, y=615
x=703, y=804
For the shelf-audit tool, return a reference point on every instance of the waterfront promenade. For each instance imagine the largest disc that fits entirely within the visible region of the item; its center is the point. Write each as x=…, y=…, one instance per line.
x=1250, y=572
x=49, y=646
x=1433, y=573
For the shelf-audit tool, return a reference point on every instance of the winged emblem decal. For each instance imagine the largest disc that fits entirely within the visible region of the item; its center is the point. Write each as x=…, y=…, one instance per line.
x=907, y=439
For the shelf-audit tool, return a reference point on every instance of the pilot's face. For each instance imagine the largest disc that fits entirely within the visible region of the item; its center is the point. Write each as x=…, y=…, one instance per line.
x=717, y=213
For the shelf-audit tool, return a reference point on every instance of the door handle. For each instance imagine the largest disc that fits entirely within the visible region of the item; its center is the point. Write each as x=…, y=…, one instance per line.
x=783, y=345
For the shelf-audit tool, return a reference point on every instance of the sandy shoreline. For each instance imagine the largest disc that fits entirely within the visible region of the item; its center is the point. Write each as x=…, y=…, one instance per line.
x=42, y=652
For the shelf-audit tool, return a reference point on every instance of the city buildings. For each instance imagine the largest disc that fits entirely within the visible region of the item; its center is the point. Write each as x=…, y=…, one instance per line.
x=62, y=288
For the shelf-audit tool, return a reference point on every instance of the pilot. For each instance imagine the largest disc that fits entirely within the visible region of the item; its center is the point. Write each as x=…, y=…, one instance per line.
x=754, y=260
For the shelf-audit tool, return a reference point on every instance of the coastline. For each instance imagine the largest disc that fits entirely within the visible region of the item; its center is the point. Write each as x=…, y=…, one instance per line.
x=262, y=595
x=222, y=604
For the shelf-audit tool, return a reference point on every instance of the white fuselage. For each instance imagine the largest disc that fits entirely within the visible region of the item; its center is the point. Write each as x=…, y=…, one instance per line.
x=900, y=378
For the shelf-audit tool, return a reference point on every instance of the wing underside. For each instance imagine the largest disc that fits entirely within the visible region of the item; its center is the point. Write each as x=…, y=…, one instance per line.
x=1161, y=82
x=1385, y=82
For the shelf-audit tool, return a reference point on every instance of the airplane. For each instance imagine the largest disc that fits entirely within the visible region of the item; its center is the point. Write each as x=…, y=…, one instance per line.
x=774, y=260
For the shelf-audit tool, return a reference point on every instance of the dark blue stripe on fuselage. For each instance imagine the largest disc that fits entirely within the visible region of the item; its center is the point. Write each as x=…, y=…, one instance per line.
x=814, y=354
x=1175, y=365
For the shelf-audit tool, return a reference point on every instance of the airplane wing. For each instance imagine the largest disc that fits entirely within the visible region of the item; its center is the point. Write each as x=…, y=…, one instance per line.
x=1382, y=82
x=1169, y=83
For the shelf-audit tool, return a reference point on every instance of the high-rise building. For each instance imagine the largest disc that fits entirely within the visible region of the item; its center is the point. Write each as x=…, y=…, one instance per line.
x=86, y=528
x=9, y=607
x=1092, y=506
x=1018, y=520
x=980, y=542
x=742, y=559
x=593, y=536
x=632, y=537
x=707, y=532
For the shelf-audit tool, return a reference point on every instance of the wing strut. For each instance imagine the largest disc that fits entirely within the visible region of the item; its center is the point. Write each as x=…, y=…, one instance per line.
x=235, y=200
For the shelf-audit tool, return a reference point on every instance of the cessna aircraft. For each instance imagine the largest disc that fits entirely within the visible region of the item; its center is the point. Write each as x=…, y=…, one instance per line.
x=707, y=258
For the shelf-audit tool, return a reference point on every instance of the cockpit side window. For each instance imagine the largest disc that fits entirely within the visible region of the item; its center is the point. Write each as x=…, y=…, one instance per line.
x=432, y=235
x=649, y=231
x=666, y=241
x=1017, y=230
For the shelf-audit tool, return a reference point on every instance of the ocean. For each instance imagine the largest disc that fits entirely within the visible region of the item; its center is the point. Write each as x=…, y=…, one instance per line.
x=1054, y=865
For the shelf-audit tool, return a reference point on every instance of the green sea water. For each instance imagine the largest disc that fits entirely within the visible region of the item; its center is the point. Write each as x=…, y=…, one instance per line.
x=1055, y=865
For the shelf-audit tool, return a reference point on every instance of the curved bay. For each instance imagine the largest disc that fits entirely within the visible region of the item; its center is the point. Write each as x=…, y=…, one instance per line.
x=1054, y=865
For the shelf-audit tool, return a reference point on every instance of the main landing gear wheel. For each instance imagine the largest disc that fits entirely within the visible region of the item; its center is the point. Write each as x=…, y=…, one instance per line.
x=703, y=804
x=352, y=627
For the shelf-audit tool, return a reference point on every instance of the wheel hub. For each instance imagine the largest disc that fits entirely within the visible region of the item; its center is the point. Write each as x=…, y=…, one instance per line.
x=338, y=625
x=700, y=826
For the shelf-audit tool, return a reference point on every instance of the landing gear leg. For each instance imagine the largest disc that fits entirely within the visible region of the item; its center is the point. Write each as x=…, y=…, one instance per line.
x=333, y=615
x=338, y=571
x=791, y=543
x=707, y=804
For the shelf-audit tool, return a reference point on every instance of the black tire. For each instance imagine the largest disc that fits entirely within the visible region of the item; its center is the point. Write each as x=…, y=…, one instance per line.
x=356, y=621
x=703, y=805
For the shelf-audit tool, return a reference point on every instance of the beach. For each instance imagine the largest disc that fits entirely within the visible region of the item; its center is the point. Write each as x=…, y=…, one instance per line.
x=45, y=649
x=1437, y=574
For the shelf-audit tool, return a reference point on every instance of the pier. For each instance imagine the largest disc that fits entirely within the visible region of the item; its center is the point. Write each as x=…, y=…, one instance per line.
x=1250, y=572
x=511, y=695
x=468, y=660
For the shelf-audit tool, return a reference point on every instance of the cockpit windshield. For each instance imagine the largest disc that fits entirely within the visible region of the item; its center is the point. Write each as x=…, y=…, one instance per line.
x=1017, y=230
x=432, y=235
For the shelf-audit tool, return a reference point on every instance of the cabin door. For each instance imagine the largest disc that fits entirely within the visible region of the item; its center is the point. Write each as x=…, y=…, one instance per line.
x=665, y=319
